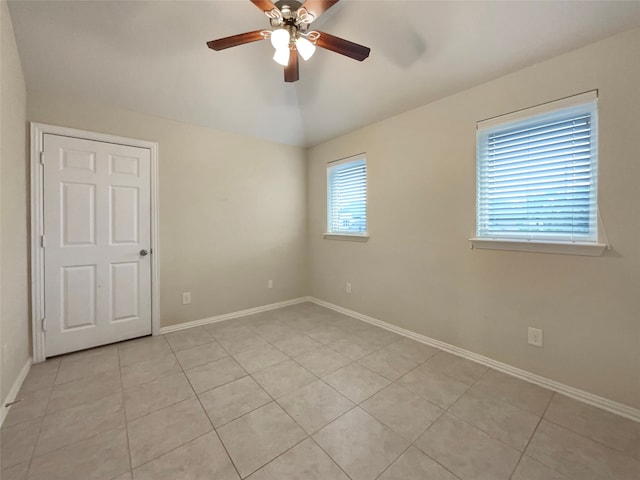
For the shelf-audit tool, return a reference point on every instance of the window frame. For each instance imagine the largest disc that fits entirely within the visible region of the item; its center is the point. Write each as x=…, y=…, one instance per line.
x=536, y=241
x=344, y=234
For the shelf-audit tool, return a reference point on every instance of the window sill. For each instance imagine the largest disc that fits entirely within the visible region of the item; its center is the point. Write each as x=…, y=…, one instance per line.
x=350, y=237
x=575, y=248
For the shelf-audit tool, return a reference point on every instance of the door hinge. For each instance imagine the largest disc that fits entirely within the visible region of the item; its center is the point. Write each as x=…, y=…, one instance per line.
x=43, y=242
x=41, y=158
x=44, y=324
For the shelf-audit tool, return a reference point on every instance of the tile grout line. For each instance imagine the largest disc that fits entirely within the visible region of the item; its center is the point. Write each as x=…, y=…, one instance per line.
x=327, y=453
x=586, y=437
x=522, y=454
x=315, y=378
x=394, y=460
x=275, y=400
x=540, y=418
x=217, y=386
x=76, y=442
x=213, y=428
x=312, y=373
x=367, y=398
x=115, y=371
x=292, y=357
x=358, y=404
x=444, y=412
x=246, y=413
x=183, y=371
x=355, y=405
x=188, y=442
x=425, y=399
x=124, y=412
x=331, y=421
x=43, y=418
x=33, y=452
x=170, y=451
x=508, y=401
x=307, y=437
x=411, y=445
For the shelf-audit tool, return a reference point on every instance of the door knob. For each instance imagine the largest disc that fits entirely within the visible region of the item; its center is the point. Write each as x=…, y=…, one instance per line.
x=144, y=253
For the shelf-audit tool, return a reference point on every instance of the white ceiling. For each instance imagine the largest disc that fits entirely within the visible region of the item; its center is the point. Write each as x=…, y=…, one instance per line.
x=151, y=57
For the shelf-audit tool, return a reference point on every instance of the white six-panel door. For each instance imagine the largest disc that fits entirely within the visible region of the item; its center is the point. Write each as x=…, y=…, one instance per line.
x=97, y=221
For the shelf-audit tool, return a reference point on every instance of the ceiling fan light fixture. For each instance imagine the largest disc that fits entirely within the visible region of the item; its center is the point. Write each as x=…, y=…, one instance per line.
x=305, y=47
x=282, y=56
x=280, y=38
x=290, y=31
x=304, y=15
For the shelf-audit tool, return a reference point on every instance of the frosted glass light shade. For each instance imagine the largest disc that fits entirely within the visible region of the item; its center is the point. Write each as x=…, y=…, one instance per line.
x=280, y=38
x=305, y=47
x=282, y=56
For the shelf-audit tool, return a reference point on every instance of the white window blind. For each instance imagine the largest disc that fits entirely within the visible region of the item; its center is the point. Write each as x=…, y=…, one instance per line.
x=537, y=176
x=347, y=196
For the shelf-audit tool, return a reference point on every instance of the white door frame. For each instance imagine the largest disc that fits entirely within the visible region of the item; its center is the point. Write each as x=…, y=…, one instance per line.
x=38, y=130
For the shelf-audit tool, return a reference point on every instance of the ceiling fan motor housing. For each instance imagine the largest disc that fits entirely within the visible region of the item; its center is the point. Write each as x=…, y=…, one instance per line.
x=291, y=5
x=289, y=16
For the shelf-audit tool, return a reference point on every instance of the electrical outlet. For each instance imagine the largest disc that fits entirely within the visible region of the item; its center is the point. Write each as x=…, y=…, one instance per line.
x=348, y=288
x=186, y=298
x=535, y=336
x=270, y=284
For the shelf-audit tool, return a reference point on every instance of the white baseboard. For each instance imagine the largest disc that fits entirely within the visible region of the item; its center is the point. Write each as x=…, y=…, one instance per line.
x=581, y=395
x=229, y=316
x=15, y=388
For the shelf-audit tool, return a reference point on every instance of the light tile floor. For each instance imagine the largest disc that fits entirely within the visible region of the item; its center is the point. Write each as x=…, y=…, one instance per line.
x=300, y=393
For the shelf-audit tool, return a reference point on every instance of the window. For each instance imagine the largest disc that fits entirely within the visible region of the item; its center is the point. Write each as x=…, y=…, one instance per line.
x=537, y=174
x=347, y=196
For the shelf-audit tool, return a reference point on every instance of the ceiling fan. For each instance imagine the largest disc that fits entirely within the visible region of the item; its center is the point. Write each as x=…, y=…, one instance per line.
x=290, y=34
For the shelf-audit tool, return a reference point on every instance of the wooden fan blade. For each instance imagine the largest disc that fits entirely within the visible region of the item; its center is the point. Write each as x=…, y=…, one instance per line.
x=291, y=71
x=235, y=40
x=264, y=5
x=318, y=7
x=342, y=46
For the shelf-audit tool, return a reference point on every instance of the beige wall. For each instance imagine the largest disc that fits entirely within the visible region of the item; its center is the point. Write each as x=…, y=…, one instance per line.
x=232, y=209
x=417, y=270
x=14, y=283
